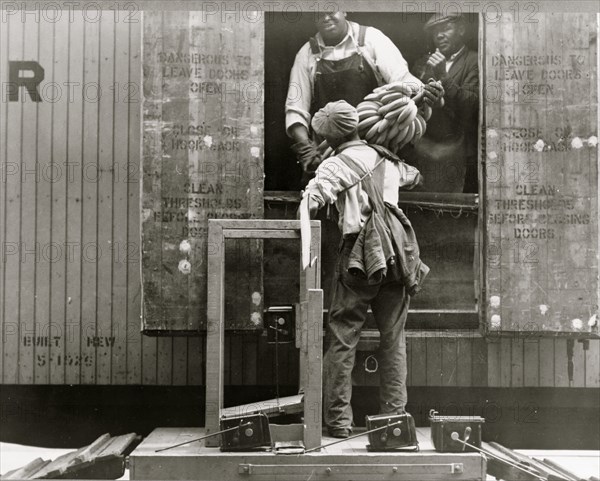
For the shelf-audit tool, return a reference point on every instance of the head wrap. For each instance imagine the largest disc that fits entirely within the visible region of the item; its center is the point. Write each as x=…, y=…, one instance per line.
x=336, y=120
x=438, y=19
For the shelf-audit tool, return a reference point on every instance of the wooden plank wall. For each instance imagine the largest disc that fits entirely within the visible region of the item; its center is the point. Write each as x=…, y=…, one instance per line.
x=541, y=197
x=534, y=362
x=73, y=316
x=556, y=288
x=69, y=222
x=506, y=362
x=203, y=146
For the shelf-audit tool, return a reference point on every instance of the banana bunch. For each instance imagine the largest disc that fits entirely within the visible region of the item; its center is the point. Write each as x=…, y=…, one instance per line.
x=393, y=116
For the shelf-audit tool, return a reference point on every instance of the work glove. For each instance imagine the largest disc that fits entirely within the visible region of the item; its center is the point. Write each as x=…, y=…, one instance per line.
x=307, y=154
x=433, y=92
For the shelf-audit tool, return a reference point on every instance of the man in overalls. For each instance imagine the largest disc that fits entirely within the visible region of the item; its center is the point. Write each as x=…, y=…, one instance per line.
x=343, y=61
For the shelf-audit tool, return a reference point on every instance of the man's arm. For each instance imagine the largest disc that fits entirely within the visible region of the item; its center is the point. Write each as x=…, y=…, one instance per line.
x=313, y=207
x=392, y=66
x=332, y=177
x=306, y=151
x=298, y=132
x=299, y=96
x=388, y=59
x=297, y=117
x=410, y=177
x=460, y=96
x=463, y=96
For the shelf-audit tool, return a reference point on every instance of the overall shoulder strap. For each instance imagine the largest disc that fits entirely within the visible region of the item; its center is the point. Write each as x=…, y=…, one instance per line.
x=362, y=30
x=372, y=180
x=364, y=52
x=314, y=46
x=384, y=152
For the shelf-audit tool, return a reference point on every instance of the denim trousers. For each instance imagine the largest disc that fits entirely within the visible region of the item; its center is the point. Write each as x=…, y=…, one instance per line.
x=350, y=300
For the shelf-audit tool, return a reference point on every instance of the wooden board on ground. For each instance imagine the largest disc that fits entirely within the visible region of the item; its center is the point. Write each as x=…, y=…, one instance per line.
x=102, y=459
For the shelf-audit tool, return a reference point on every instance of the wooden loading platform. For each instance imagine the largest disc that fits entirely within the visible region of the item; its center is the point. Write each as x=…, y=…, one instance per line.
x=345, y=461
x=349, y=460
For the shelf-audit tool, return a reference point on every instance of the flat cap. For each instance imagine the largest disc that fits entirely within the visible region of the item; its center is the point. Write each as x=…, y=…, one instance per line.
x=336, y=120
x=438, y=19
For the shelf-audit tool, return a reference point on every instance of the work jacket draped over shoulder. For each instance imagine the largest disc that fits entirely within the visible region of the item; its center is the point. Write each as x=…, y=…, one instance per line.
x=386, y=248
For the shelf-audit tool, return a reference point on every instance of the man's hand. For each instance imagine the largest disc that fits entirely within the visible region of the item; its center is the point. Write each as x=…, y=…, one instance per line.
x=419, y=180
x=307, y=155
x=313, y=209
x=433, y=92
x=437, y=64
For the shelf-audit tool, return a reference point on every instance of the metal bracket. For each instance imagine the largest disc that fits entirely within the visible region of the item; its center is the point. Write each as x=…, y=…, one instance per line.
x=375, y=470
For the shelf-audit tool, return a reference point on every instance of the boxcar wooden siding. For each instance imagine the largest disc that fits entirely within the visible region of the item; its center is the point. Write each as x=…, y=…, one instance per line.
x=202, y=157
x=541, y=180
x=70, y=263
x=70, y=290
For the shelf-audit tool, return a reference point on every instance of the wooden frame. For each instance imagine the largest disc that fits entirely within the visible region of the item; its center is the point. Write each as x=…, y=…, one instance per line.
x=309, y=325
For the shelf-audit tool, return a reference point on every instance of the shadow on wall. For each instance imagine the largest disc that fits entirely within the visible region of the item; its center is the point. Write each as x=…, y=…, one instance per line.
x=72, y=416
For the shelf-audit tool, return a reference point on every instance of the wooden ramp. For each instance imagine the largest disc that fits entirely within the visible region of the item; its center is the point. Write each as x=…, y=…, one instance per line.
x=270, y=407
x=340, y=462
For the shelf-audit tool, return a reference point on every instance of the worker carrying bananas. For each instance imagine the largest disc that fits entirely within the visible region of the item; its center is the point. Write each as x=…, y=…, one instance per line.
x=378, y=262
x=448, y=151
x=343, y=61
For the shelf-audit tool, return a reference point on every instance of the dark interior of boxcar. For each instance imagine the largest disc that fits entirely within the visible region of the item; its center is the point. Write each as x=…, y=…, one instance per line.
x=447, y=234
x=285, y=33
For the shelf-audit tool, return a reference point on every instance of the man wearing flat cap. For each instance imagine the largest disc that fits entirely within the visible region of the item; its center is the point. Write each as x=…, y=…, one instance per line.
x=378, y=262
x=452, y=129
x=343, y=61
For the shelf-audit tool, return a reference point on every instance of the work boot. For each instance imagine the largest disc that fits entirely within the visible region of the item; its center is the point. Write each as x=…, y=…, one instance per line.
x=340, y=433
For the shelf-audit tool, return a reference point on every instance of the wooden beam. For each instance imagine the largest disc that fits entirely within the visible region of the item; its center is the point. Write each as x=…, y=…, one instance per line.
x=260, y=234
x=313, y=390
x=215, y=335
x=309, y=279
x=261, y=224
x=311, y=318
